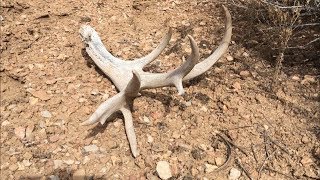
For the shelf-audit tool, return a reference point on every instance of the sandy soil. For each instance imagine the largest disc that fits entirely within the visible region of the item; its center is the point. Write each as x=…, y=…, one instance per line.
x=49, y=85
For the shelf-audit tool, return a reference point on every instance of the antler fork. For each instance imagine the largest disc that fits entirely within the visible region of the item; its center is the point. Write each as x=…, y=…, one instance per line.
x=129, y=77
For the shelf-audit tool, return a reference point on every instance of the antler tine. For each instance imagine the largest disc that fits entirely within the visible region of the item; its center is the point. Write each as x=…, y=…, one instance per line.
x=154, y=80
x=206, y=64
x=141, y=62
x=116, y=102
x=131, y=135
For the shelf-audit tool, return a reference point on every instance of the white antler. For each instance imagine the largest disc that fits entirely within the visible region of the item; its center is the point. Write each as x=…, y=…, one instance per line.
x=129, y=77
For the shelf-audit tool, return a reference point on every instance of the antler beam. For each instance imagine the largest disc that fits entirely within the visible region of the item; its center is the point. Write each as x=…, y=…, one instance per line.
x=129, y=77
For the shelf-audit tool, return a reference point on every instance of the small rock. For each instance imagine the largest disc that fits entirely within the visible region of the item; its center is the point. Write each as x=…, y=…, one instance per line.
x=62, y=57
x=150, y=138
x=210, y=168
x=54, y=138
x=94, y=92
x=1, y=18
x=266, y=127
x=54, y=177
x=50, y=82
x=27, y=156
x=311, y=173
x=26, y=163
x=188, y=103
x=20, y=132
x=5, y=123
x=21, y=167
x=295, y=78
x=308, y=79
x=4, y=165
x=85, y=160
x=202, y=23
x=234, y=174
x=33, y=100
x=219, y=161
x=244, y=74
x=217, y=70
x=237, y=86
x=29, y=130
x=176, y=134
x=79, y=174
x=81, y=100
x=185, y=23
x=13, y=167
x=105, y=96
x=46, y=114
x=230, y=58
x=305, y=139
x=306, y=160
x=91, y=148
x=69, y=162
x=245, y=54
x=163, y=170
x=146, y=119
x=204, y=109
x=57, y=164
x=41, y=94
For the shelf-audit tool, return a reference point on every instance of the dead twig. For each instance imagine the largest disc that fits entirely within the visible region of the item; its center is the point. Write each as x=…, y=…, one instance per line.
x=233, y=144
x=254, y=153
x=243, y=169
x=286, y=175
x=277, y=144
x=229, y=154
x=264, y=163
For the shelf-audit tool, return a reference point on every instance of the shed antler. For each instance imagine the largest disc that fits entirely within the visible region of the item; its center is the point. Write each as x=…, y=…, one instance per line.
x=129, y=77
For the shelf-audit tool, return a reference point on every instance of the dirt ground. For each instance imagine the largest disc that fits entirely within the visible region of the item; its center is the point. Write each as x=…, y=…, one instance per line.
x=49, y=86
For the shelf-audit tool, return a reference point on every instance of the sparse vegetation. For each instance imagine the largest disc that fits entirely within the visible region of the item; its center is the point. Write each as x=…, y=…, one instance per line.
x=283, y=31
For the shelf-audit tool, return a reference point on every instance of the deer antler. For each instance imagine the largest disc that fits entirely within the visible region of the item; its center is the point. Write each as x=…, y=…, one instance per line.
x=129, y=77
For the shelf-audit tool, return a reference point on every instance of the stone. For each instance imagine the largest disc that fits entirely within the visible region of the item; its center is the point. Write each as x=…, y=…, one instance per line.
x=296, y=78
x=20, y=132
x=237, y=86
x=54, y=138
x=219, y=161
x=210, y=168
x=46, y=114
x=13, y=167
x=54, y=177
x=41, y=94
x=57, y=164
x=5, y=123
x=29, y=131
x=86, y=159
x=244, y=74
x=146, y=119
x=308, y=79
x=91, y=148
x=305, y=139
x=33, y=100
x=234, y=174
x=21, y=167
x=150, y=138
x=27, y=156
x=230, y=58
x=26, y=163
x=69, y=162
x=306, y=160
x=51, y=81
x=163, y=170
x=245, y=54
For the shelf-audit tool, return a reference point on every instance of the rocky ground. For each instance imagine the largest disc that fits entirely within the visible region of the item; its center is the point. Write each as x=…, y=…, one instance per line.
x=228, y=125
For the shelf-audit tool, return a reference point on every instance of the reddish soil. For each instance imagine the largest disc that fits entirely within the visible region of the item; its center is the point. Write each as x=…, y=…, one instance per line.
x=49, y=86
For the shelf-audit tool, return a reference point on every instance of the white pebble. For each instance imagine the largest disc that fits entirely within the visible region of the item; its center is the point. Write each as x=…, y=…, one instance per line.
x=163, y=170
x=234, y=174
